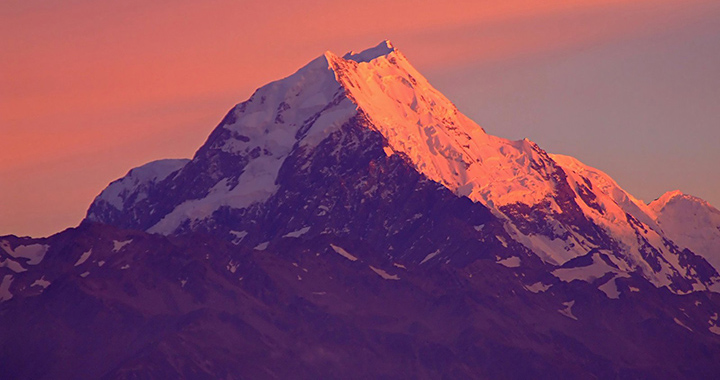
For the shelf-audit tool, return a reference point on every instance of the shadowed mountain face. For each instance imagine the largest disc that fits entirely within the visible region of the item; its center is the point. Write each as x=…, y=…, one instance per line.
x=150, y=306
x=348, y=222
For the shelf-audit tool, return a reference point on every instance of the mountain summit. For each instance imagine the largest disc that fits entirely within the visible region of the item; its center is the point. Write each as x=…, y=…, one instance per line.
x=553, y=205
x=349, y=222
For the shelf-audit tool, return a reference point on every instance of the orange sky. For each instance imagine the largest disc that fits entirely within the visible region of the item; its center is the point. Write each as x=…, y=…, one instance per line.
x=91, y=89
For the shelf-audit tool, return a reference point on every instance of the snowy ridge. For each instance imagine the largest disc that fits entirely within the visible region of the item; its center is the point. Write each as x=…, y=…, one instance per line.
x=608, y=187
x=132, y=187
x=449, y=148
x=443, y=143
x=631, y=224
x=300, y=109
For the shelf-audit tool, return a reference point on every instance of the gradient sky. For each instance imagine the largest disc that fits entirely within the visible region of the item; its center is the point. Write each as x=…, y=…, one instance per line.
x=91, y=89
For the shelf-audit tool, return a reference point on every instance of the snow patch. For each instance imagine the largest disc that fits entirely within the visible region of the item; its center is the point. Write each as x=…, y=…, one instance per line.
x=118, y=245
x=84, y=274
x=232, y=266
x=510, y=262
x=610, y=289
x=257, y=183
x=5, y=293
x=537, y=287
x=502, y=241
x=239, y=236
x=42, y=282
x=83, y=257
x=567, y=311
x=298, y=233
x=552, y=251
x=679, y=322
x=343, y=253
x=12, y=265
x=384, y=274
x=262, y=246
x=430, y=256
x=33, y=252
x=589, y=273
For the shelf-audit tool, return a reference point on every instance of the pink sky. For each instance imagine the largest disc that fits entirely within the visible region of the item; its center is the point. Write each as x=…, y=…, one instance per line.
x=91, y=89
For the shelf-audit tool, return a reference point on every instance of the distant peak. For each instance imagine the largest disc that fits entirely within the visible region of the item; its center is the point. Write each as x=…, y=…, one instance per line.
x=660, y=202
x=382, y=49
x=673, y=194
x=676, y=197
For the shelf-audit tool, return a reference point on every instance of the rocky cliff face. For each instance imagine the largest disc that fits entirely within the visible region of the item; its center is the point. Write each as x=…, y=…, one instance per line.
x=349, y=222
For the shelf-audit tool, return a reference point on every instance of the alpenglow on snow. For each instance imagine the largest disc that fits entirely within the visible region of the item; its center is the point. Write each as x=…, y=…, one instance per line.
x=553, y=205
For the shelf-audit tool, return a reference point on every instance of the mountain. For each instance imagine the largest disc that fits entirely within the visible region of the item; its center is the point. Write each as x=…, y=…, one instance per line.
x=349, y=222
x=691, y=222
x=374, y=105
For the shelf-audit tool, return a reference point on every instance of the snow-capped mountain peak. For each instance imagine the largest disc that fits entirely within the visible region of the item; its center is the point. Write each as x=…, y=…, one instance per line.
x=420, y=122
x=383, y=48
x=417, y=120
x=676, y=196
x=554, y=205
x=350, y=214
x=690, y=222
